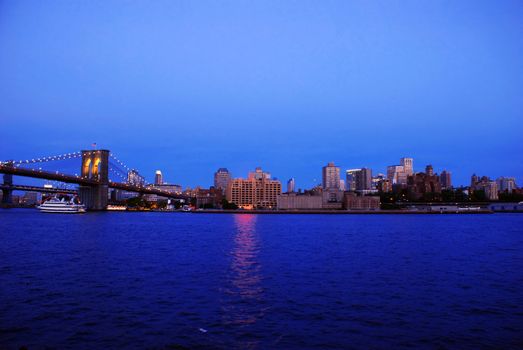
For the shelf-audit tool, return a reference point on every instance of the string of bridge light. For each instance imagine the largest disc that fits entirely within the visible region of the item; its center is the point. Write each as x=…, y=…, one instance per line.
x=119, y=162
x=44, y=159
x=117, y=172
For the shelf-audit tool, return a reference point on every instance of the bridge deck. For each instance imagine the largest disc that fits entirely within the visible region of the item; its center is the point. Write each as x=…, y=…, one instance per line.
x=41, y=174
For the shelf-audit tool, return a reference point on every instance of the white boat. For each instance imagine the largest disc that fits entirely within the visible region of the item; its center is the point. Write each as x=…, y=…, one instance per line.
x=61, y=205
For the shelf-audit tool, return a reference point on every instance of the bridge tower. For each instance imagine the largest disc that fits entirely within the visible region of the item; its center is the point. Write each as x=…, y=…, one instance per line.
x=95, y=166
x=7, y=193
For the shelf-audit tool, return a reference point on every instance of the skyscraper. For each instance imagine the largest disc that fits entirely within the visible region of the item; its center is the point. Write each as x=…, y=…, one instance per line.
x=221, y=178
x=408, y=165
x=158, y=178
x=291, y=185
x=359, y=179
x=364, y=180
x=350, y=179
x=491, y=190
x=474, y=179
x=397, y=174
x=445, y=180
x=134, y=178
x=331, y=177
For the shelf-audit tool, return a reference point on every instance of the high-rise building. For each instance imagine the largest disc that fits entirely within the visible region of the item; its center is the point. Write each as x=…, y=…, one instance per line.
x=331, y=177
x=258, y=191
x=429, y=170
x=221, y=178
x=350, y=179
x=134, y=178
x=343, y=187
x=291, y=185
x=507, y=184
x=491, y=190
x=485, y=184
x=408, y=165
x=397, y=174
x=364, y=180
x=445, y=180
x=359, y=179
x=158, y=178
x=474, y=179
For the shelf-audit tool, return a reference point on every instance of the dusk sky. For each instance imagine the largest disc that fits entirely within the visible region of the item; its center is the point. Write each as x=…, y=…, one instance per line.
x=191, y=86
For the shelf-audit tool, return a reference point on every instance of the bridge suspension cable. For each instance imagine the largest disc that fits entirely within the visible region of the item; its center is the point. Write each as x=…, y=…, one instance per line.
x=44, y=159
x=116, y=168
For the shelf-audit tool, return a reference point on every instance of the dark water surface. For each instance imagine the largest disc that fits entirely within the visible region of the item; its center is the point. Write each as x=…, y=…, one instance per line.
x=176, y=281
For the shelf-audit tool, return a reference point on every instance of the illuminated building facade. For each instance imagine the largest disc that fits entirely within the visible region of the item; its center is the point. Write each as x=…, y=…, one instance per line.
x=258, y=191
x=158, y=178
x=221, y=178
x=331, y=177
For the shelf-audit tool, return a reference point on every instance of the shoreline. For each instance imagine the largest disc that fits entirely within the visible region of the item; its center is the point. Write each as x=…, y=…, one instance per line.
x=335, y=212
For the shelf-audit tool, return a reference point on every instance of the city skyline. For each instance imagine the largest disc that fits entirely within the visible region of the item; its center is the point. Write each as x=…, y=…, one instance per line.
x=190, y=88
x=406, y=168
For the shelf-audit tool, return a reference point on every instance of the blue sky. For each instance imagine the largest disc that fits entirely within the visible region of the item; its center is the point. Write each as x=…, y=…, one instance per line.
x=190, y=86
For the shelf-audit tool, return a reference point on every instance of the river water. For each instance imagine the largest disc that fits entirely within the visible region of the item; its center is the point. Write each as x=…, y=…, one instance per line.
x=211, y=281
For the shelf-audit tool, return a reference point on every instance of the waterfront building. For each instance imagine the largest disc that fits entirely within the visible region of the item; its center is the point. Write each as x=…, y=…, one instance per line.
x=445, y=180
x=331, y=177
x=295, y=201
x=221, y=178
x=291, y=185
x=258, y=191
x=351, y=201
x=332, y=199
x=158, y=178
x=121, y=195
x=208, y=198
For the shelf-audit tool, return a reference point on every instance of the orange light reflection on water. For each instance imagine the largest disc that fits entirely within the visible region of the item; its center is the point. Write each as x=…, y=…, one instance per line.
x=245, y=274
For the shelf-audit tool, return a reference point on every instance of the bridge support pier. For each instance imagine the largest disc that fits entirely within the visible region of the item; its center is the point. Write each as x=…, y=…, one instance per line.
x=95, y=166
x=94, y=197
x=7, y=193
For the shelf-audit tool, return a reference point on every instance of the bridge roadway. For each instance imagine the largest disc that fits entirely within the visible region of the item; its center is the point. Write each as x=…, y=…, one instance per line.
x=41, y=174
x=37, y=189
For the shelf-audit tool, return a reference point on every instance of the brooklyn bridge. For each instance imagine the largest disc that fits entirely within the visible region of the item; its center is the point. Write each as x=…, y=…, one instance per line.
x=98, y=170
